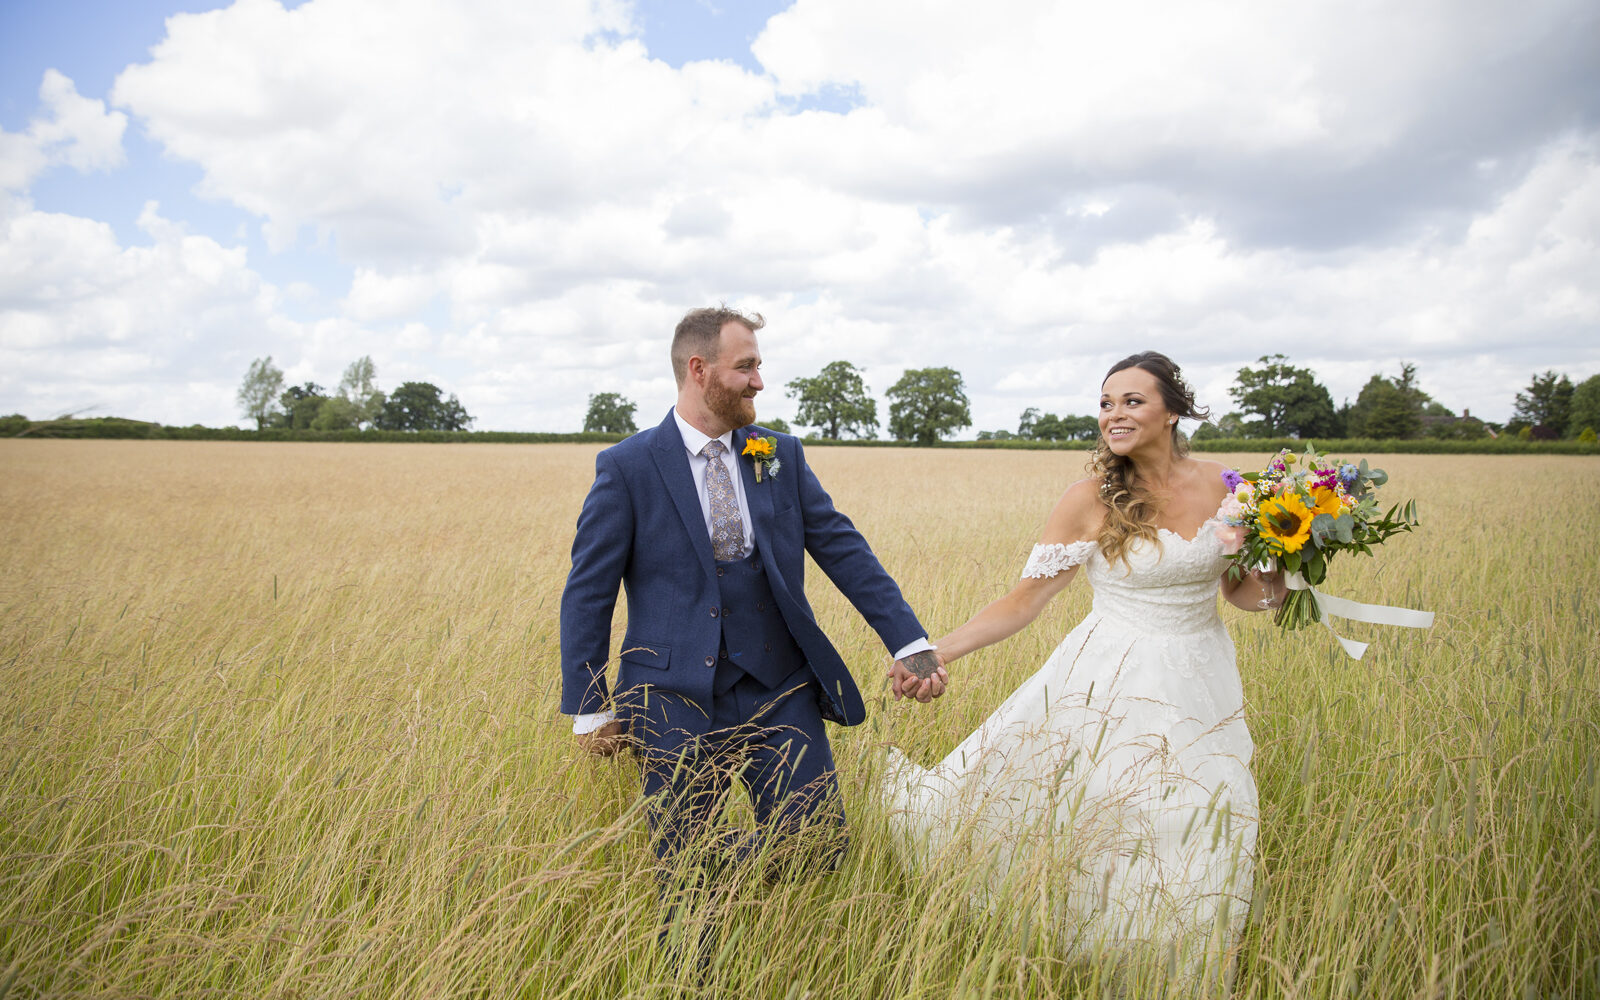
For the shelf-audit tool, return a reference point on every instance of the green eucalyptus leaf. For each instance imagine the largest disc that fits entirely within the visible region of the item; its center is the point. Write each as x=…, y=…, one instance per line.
x=1324, y=528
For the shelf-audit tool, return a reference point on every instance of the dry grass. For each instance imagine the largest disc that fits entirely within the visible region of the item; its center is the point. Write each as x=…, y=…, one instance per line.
x=279, y=720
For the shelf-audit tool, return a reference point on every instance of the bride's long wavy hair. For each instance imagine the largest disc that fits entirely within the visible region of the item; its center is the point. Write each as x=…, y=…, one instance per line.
x=1130, y=509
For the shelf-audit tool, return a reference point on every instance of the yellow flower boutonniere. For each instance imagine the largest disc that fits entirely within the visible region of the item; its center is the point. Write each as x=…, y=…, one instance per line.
x=763, y=451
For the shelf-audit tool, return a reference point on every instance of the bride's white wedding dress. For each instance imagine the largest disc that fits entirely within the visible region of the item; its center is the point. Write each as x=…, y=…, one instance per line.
x=1111, y=792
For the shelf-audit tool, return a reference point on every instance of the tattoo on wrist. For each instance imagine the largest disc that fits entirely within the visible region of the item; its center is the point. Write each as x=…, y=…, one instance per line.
x=923, y=664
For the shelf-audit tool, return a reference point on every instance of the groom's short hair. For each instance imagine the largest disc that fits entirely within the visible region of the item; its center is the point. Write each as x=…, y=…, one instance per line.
x=700, y=332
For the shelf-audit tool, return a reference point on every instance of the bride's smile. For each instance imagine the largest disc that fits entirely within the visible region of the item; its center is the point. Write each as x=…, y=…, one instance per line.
x=1132, y=414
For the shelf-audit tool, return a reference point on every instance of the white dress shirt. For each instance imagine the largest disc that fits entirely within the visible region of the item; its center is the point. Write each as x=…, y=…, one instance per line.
x=693, y=441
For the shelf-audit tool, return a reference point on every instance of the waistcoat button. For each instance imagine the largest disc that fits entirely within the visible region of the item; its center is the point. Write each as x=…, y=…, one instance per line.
x=711, y=661
x=713, y=612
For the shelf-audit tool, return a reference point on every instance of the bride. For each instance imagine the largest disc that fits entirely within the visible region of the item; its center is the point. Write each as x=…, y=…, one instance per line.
x=1111, y=794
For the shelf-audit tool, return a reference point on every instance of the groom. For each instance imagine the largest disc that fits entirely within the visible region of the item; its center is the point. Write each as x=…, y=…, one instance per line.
x=723, y=673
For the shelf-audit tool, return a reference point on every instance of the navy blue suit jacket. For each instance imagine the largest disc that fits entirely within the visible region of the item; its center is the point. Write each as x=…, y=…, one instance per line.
x=642, y=526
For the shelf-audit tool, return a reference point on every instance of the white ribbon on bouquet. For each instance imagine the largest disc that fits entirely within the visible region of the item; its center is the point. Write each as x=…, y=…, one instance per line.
x=1373, y=614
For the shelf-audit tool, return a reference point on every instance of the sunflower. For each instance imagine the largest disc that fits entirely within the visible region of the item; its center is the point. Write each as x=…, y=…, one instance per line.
x=1326, y=501
x=1286, y=522
x=760, y=447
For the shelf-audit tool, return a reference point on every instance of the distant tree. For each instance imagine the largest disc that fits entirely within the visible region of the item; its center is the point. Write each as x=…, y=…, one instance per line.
x=1048, y=428
x=418, y=406
x=1287, y=401
x=336, y=413
x=927, y=404
x=1547, y=404
x=836, y=401
x=1384, y=410
x=258, y=395
x=1452, y=428
x=1000, y=435
x=1585, y=412
x=610, y=413
x=1080, y=428
x=1037, y=426
x=357, y=388
x=300, y=406
x=776, y=424
x=1228, y=426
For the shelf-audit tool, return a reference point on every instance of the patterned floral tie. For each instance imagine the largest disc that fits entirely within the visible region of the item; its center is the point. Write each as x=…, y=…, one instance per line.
x=727, y=531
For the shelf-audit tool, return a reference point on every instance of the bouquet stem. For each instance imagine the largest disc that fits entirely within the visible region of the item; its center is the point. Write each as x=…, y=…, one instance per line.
x=1298, y=610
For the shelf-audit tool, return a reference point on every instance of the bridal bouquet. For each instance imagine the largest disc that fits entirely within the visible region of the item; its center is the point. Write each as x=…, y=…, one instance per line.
x=1297, y=514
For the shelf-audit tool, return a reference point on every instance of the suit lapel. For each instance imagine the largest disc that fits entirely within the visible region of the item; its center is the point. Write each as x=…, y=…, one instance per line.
x=672, y=461
x=758, y=495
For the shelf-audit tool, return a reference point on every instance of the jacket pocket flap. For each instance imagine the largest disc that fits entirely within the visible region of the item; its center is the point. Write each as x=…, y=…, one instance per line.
x=645, y=654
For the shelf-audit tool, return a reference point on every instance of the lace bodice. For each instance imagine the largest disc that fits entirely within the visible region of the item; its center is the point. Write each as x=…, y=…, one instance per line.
x=1167, y=586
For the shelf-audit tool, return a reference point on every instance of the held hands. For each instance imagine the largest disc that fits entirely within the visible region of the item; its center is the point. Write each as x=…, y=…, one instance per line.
x=605, y=741
x=921, y=676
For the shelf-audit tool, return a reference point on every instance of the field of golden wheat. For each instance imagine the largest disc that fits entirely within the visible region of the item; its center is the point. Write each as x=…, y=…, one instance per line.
x=279, y=720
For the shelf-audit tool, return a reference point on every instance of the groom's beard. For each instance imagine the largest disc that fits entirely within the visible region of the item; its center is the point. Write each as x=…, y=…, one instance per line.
x=730, y=405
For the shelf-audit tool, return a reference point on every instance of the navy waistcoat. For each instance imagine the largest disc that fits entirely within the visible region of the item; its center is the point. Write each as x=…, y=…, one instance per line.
x=754, y=636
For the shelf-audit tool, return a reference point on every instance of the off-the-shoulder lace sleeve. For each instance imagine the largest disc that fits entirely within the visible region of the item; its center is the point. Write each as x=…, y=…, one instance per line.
x=1048, y=560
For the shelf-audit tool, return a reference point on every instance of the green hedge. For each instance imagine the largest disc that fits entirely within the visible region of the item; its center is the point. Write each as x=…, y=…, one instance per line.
x=118, y=427
x=1344, y=446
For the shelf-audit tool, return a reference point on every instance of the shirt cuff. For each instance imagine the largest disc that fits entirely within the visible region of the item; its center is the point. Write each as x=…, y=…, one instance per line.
x=921, y=645
x=584, y=724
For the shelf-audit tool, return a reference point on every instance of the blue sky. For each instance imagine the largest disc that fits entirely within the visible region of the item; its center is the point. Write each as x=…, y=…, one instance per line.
x=517, y=201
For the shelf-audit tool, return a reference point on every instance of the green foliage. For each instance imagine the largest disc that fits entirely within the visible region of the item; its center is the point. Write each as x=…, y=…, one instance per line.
x=836, y=401
x=11, y=426
x=1547, y=403
x=1503, y=445
x=1389, y=407
x=418, y=406
x=258, y=395
x=928, y=404
x=336, y=413
x=357, y=388
x=1587, y=437
x=1036, y=426
x=610, y=413
x=300, y=405
x=1585, y=411
x=1463, y=428
x=1286, y=401
x=776, y=424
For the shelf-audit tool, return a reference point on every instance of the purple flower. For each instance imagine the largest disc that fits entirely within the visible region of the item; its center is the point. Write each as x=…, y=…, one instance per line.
x=1231, y=479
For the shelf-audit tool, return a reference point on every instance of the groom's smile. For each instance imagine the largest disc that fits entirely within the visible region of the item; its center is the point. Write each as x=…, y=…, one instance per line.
x=734, y=378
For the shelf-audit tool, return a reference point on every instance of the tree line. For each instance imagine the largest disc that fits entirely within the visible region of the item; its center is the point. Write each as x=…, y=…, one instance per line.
x=1278, y=399
x=1273, y=399
x=925, y=405
x=356, y=404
